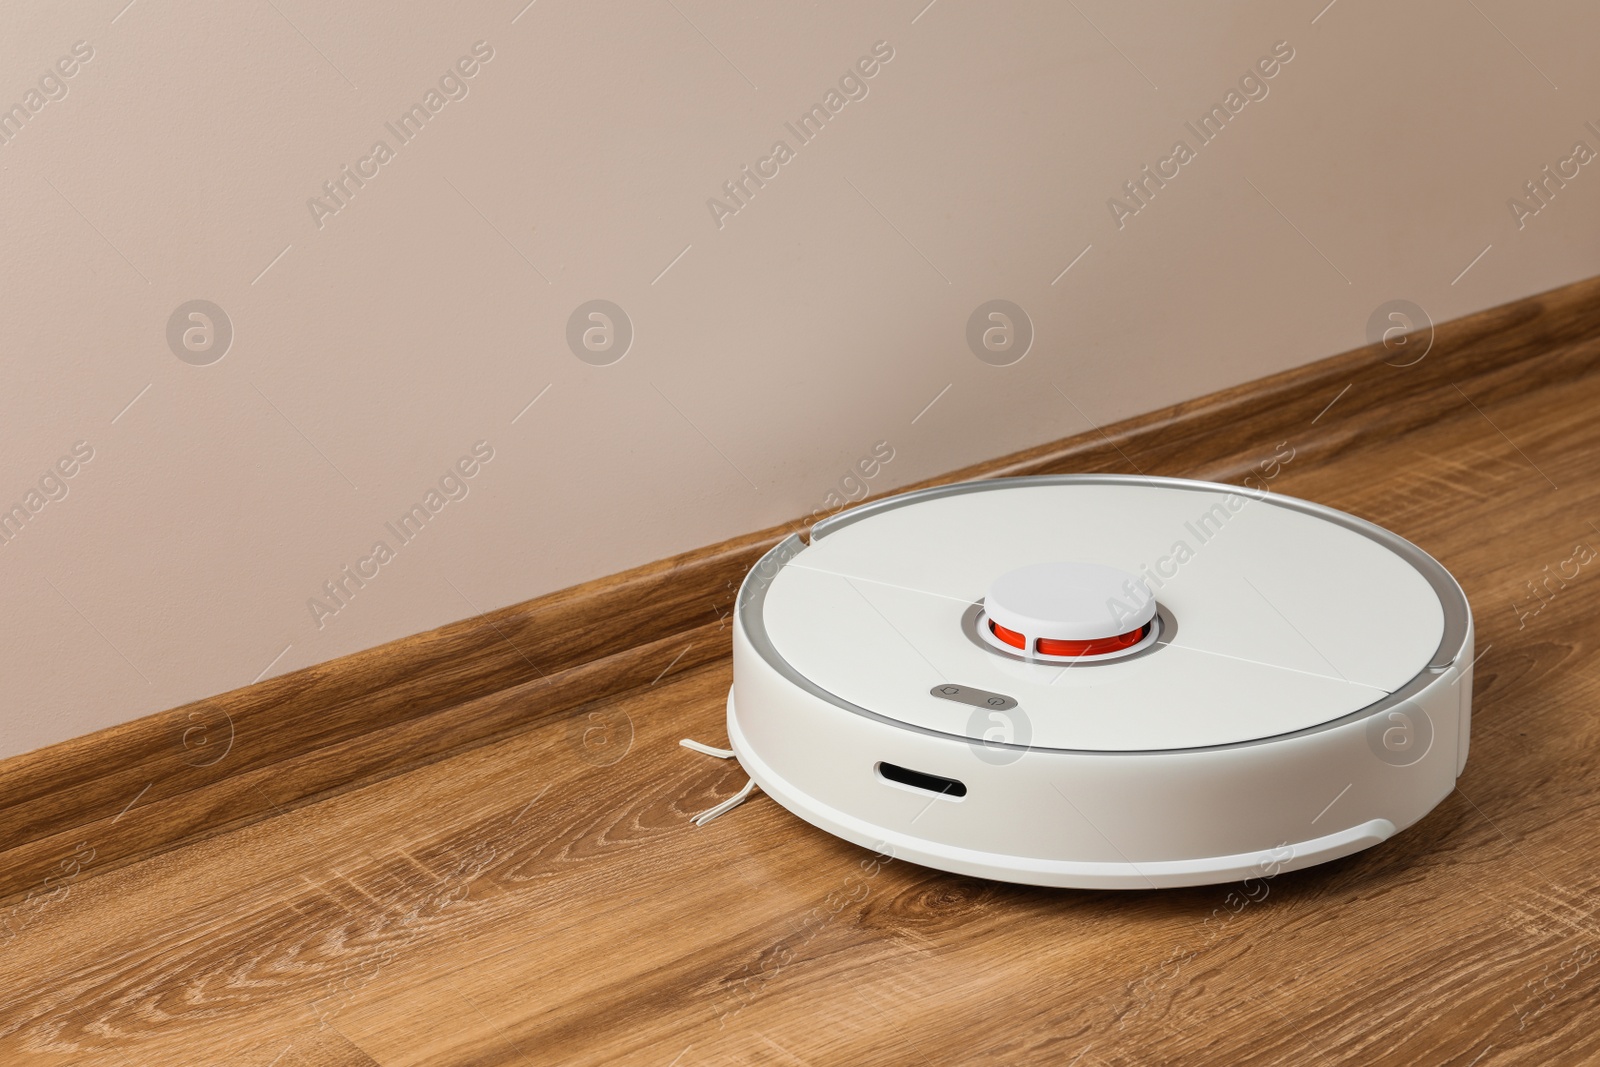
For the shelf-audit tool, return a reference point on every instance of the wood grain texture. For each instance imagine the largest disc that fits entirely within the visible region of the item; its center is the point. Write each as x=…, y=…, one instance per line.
x=543, y=899
x=191, y=763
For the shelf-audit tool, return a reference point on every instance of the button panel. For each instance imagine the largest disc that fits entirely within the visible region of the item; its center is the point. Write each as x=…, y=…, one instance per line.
x=978, y=698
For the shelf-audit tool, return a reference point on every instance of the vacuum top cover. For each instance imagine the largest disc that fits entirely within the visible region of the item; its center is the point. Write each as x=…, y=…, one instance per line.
x=1209, y=618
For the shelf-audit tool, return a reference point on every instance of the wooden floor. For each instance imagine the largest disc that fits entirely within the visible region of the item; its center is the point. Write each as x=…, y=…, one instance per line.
x=544, y=899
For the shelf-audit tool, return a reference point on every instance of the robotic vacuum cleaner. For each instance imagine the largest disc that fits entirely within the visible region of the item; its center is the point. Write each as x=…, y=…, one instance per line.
x=1102, y=681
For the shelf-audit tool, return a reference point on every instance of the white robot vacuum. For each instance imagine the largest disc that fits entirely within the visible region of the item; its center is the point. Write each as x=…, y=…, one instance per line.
x=1102, y=681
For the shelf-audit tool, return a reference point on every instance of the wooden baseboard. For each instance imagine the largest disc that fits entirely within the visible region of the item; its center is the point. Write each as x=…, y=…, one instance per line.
x=137, y=789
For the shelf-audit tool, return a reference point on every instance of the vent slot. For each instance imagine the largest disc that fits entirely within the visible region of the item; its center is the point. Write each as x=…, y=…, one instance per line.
x=931, y=783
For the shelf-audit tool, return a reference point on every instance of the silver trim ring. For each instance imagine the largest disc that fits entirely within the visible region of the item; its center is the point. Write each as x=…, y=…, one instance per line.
x=1453, y=601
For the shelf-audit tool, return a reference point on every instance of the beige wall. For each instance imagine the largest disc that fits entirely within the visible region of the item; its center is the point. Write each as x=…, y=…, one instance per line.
x=774, y=347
